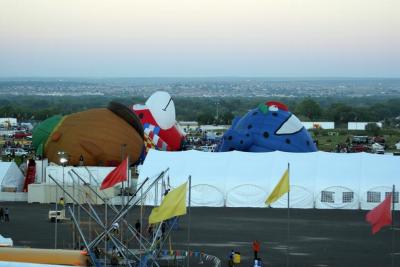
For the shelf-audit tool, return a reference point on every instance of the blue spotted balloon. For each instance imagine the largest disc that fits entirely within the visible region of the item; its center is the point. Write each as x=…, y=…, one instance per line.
x=269, y=127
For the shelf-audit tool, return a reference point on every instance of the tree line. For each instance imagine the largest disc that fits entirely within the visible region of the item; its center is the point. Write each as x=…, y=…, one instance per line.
x=212, y=110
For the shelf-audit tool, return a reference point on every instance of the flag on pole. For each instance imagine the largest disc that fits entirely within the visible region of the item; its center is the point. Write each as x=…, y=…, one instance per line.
x=173, y=204
x=381, y=215
x=281, y=188
x=119, y=174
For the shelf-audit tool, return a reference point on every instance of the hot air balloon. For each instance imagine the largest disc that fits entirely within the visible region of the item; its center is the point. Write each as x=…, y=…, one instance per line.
x=269, y=127
x=95, y=136
x=158, y=118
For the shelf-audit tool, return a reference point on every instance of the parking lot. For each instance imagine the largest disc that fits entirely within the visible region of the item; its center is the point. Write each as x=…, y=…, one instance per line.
x=317, y=237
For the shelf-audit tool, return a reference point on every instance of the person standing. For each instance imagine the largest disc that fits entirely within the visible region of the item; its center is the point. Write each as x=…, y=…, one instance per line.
x=137, y=227
x=150, y=232
x=163, y=229
x=115, y=228
x=6, y=215
x=158, y=237
x=256, y=248
x=231, y=255
x=1, y=214
x=81, y=160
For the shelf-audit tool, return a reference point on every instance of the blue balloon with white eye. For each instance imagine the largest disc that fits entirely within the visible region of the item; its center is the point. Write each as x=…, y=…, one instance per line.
x=269, y=127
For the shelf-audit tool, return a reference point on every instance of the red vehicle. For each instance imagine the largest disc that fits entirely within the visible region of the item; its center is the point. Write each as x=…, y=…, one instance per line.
x=359, y=148
x=21, y=135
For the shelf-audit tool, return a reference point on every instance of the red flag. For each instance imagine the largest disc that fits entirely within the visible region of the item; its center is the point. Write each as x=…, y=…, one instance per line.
x=381, y=215
x=119, y=174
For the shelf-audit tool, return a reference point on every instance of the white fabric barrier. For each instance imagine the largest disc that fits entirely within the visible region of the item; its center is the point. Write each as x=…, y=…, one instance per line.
x=238, y=179
x=302, y=178
x=215, y=198
x=380, y=175
x=95, y=177
x=338, y=180
x=246, y=195
x=14, y=196
x=11, y=177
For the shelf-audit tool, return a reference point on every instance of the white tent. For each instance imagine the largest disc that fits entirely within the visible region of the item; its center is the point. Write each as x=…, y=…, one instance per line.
x=6, y=242
x=361, y=125
x=92, y=175
x=11, y=177
x=239, y=179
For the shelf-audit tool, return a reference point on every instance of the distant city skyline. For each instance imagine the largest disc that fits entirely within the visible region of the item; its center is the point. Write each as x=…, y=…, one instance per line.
x=207, y=38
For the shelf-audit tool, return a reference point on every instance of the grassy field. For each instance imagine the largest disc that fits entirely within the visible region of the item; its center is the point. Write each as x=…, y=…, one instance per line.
x=328, y=139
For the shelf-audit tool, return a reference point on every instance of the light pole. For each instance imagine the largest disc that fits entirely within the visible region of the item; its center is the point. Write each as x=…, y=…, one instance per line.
x=63, y=159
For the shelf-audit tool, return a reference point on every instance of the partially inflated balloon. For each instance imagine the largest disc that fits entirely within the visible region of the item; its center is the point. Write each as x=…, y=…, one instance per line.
x=162, y=109
x=158, y=119
x=98, y=136
x=269, y=127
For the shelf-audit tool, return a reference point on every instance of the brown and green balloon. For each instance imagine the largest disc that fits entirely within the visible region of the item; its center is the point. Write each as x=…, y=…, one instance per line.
x=97, y=135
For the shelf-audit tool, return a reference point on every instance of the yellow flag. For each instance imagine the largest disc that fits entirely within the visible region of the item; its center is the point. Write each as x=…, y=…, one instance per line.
x=281, y=188
x=173, y=204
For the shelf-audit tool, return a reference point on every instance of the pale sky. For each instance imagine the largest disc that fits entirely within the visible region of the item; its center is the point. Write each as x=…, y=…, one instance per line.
x=132, y=38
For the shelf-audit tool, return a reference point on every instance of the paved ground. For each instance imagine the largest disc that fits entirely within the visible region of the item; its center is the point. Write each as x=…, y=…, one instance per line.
x=317, y=237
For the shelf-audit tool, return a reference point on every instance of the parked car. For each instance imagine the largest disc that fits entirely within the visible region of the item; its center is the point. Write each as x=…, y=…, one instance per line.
x=359, y=148
x=56, y=215
x=15, y=151
x=20, y=135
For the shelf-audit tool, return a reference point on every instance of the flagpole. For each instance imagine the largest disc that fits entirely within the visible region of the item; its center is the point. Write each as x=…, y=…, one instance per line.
x=105, y=227
x=73, y=211
x=141, y=223
x=127, y=213
x=188, y=240
x=90, y=218
x=288, y=220
x=123, y=147
x=392, y=254
x=123, y=183
x=55, y=227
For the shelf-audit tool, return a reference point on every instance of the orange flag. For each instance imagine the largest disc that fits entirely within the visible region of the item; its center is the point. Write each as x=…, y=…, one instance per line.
x=119, y=174
x=381, y=215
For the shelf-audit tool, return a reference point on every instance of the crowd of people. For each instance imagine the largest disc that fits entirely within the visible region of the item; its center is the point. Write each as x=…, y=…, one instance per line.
x=197, y=143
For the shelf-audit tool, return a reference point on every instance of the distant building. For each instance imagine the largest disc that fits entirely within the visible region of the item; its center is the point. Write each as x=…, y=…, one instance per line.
x=319, y=125
x=216, y=128
x=397, y=146
x=361, y=125
x=188, y=126
x=188, y=123
x=6, y=122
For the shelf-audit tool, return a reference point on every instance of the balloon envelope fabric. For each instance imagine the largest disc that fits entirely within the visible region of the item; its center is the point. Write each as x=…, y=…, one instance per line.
x=269, y=127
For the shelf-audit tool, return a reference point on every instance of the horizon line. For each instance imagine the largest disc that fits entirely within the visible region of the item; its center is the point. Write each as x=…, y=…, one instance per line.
x=197, y=77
